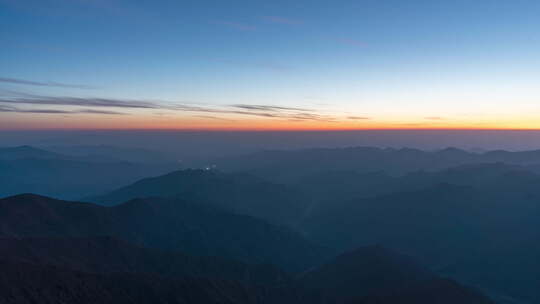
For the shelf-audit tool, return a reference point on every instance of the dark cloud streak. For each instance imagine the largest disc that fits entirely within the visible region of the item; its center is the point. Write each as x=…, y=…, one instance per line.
x=77, y=101
x=10, y=109
x=268, y=108
x=266, y=111
x=43, y=84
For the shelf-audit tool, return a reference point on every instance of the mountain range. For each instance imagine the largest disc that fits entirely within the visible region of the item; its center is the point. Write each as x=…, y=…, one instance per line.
x=291, y=165
x=274, y=227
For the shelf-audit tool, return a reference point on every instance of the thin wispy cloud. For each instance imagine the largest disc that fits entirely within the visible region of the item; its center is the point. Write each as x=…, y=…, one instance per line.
x=358, y=117
x=78, y=101
x=267, y=108
x=43, y=84
x=282, y=20
x=90, y=111
x=55, y=111
x=265, y=111
x=290, y=113
x=213, y=117
x=312, y=116
x=237, y=25
x=35, y=111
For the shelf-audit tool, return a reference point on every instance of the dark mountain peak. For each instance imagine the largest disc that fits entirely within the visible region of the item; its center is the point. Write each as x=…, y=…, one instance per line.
x=27, y=197
x=364, y=271
x=23, y=148
x=32, y=203
x=375, y=274
x=371, y=260
x=167, y=185
x=238, y=192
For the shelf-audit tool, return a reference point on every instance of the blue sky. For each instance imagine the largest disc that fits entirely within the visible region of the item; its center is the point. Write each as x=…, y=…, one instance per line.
x=385, y=63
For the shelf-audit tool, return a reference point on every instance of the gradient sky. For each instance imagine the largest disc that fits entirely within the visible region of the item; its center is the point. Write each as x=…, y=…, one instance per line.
x=87, y=64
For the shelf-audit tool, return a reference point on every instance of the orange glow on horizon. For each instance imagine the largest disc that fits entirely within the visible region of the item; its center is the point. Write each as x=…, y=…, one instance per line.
x=193, y=123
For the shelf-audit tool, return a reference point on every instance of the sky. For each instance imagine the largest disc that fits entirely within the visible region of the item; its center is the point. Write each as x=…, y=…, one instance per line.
x=269, y=65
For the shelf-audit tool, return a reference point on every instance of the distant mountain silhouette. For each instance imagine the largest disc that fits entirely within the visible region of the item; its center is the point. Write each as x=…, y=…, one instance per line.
x=367, y=273
x=27, y=169
x=196, y=229
x=240, y=193
x=108, y=255
x=291, y=166
x=114, y=153
x=21, y=152
x=331, y=186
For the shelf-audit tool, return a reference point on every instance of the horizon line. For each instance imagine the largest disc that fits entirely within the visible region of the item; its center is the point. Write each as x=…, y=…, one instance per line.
x=284, y=130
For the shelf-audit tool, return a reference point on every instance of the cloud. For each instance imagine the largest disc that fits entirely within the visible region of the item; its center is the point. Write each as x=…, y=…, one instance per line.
x=434, y=118
x=78, y=101
x=35, y=111
x=43, y=84
x=237, y=26
x=90, y=111
x=54, y=111
x=289, y=113
x=268, y=108
x=358, y=117
x=266, y=111
x=213, y=117
x=315, y=117
x=282, y=20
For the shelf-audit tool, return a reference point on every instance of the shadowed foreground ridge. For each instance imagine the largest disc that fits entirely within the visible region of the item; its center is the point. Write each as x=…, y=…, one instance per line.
x=196, y=229
x=23, y=283
x=56, y=252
